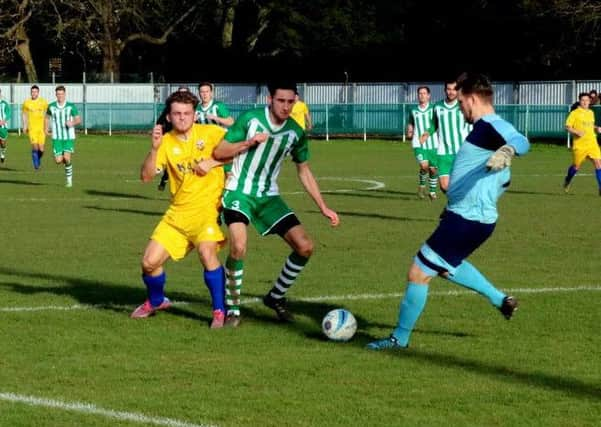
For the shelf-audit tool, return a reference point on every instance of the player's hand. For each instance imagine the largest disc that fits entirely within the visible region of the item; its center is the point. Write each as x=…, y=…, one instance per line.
x=501, y=158
x=333, y=216
x=157, y=136
x=424, y=136
x=259, y=138
x=211, y=117
x=203, y=167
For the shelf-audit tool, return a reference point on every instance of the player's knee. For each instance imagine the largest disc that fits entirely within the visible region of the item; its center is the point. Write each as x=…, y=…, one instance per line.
x=237, y=250
x=150, y=264
x=417, y=275
x=208, y=256
x=305, y=248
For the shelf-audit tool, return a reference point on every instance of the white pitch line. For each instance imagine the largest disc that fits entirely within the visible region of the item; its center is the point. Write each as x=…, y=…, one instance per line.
x=348, y=297
x=88, y=408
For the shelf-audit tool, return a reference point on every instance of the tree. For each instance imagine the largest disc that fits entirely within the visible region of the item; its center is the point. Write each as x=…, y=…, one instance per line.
x=15, y=16
x=109, y=26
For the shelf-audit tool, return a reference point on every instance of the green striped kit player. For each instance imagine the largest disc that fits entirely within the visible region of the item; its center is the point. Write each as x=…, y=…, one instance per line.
x=5, y=115
x=61, y=118
x=451, y=128
x=424, y=145
x=258, y=142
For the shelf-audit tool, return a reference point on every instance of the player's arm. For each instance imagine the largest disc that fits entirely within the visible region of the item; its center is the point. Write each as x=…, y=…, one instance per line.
x=227, y=150
x=47, y=124
x=308, y=120
x=430, y=131
x=149, y=167
x=308, y=180
x=74, y=121
x=24, y=118
x=570, y=122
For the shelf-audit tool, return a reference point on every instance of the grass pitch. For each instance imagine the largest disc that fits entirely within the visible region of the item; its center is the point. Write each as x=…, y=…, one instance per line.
x=69, y=278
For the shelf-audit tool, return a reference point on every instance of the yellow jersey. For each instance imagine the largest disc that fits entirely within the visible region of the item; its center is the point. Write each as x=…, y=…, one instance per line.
x=583, y=120
x=299, y=110
x=35, y=110
x=188, y=190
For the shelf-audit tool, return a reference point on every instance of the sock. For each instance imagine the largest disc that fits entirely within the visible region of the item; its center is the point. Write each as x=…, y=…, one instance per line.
x=155, y=286
x=292, y=267
x=433, y=181
x=69, y=171
x=215, y=281
x=412, y=305
x=2, y=150
x=234, y=270
x=598, y=174
x=469, y=277
x=40, y=155
x=423, y=175
x=571, y=172
x=35, y=159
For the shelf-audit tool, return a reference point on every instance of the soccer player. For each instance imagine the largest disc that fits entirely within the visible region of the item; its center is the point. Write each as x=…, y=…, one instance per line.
x=479, y=177
x=424, y=145
x=258, y=143
x=34, y=114
x=196, y=185
x=5, y=115
x=61, y=118
x=581, y=125
x=301, y=114
x=210, y=111
x=450, y=126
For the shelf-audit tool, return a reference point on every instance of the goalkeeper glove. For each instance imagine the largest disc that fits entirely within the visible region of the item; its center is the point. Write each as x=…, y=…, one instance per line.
x=501, y=158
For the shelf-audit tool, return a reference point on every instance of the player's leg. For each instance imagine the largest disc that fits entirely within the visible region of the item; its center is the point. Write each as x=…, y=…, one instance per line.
x=578, y=157
x=154, y=277
x=597, y=163
x=68, y=152
x=422, y=173
x=237, y=224
x=214, y=277
x=290, y=229
x=445, y=162
x=3, y=144
x=433, y=173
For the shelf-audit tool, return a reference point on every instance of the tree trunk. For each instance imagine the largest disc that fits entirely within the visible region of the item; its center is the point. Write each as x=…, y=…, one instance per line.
x=25, y=55
x=228, y=24
x=111, y=60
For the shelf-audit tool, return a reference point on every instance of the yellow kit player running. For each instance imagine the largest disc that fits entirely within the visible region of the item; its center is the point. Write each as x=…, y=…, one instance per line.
x=196, y=184
x=34, y=113
x=581, y=125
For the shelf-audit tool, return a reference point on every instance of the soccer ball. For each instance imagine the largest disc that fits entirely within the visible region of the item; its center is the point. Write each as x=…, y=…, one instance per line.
x=339, y=325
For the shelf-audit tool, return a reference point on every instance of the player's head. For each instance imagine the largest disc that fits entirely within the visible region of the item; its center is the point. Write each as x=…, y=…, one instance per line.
x=474, y=91
x=584, y=99
x=281, y=99
x=423, y=95
x=593, y=93
x=450, y=90
x=181, y=106
x=205, y=91
x=61, y=94
x=35, y=91
x=183, y=89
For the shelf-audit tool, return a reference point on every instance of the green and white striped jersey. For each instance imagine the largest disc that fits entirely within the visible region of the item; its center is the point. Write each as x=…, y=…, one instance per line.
x=421, y=119
x=450, y=126
x=214, y=108
x=255, y=172
x=5, y=113
x=59, y=115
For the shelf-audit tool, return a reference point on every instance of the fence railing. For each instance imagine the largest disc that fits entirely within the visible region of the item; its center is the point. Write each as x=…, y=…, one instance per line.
x=329, y=120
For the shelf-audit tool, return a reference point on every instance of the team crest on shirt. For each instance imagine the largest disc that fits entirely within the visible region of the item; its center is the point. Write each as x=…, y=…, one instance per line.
x=200, y=144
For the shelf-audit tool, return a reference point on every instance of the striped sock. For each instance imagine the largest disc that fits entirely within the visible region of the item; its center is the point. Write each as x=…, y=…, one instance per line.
x=69, y=172
x=234, y=270
x=292, y=268
x=433, y=181
x=423, y=175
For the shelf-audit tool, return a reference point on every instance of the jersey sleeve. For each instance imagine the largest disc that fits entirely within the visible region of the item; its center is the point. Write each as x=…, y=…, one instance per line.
x=214, y=136
x=74, y=110
x=8, y=112
x=571, y=119
x=222, y=110
x=237, y=132
x=300, y=151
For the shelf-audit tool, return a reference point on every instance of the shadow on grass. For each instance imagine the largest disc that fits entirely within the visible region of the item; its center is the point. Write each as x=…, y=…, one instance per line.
x=119, y=195
x=20, y=182
x=133, y=211
x=373, y=194
x=559, y=192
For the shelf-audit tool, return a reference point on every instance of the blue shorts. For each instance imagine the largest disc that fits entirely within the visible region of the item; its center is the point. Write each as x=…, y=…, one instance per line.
x=454, y=240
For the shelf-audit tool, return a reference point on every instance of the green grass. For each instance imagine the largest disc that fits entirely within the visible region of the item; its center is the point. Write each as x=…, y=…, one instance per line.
x=467, y=366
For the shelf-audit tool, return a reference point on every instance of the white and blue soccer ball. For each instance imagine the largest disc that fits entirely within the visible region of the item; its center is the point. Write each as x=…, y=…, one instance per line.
x=339, y=325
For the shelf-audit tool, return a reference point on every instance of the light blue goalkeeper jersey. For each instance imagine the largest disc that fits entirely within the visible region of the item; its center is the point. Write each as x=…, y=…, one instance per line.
x=473, y=189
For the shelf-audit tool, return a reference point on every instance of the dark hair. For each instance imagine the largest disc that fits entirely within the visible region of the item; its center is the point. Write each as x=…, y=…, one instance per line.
x=272, y=87
x=35, y=87
x=449, y=81
x=61, y=87
x=183, y=89
x=592, y=91
x=476, y=84
x=423, y=87
x=205, y=84
x=181, y=96
x=583, y=94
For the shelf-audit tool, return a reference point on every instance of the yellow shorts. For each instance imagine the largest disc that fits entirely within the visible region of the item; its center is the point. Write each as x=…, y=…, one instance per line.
x=180, y=232
x=581, y=152
x=37, y=136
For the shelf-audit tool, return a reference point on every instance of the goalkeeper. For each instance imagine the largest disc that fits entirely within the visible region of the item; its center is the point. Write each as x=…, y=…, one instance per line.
x=480, y=175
